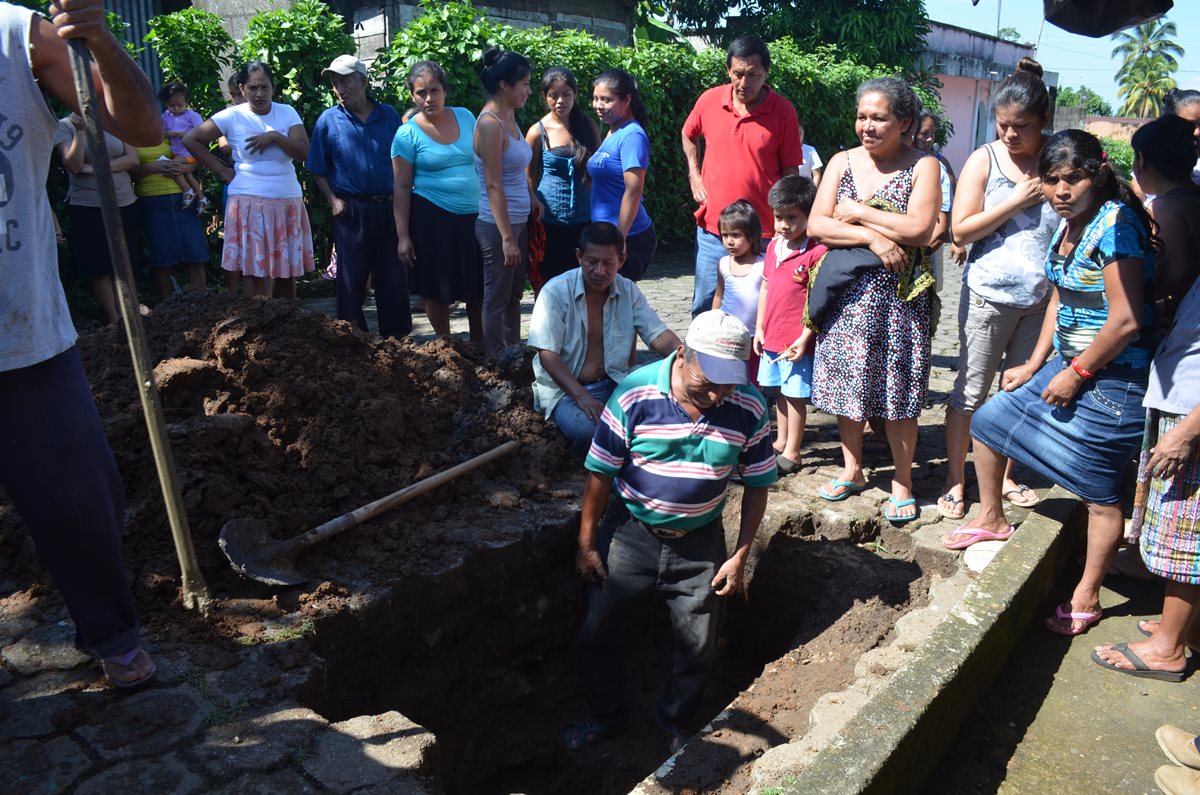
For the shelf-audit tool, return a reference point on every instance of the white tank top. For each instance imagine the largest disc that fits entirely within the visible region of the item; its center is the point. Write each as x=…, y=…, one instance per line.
x=35, y=324
x=1009, y=265
x=740, y=298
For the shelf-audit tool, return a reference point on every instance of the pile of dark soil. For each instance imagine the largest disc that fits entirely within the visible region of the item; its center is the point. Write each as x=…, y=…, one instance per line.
x=290, y=417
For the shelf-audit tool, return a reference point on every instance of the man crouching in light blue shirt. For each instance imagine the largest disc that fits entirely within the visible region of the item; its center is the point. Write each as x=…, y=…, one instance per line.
x=583, y=328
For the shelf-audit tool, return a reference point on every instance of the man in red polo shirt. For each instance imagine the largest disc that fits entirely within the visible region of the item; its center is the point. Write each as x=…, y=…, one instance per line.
x=751, y=139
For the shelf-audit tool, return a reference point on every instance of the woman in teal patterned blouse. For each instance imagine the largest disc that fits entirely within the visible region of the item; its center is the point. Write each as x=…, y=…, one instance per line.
x=1077, y=419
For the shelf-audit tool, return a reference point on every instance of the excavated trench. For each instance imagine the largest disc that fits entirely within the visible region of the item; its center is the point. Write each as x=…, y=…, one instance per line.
x=481, y=653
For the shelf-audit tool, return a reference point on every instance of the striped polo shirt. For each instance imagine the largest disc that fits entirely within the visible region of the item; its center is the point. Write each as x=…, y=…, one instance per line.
x=668, y=470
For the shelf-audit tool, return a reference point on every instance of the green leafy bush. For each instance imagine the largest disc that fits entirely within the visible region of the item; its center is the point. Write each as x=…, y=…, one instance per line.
x=193, y=46
x=297, y=43
x=1120, y=155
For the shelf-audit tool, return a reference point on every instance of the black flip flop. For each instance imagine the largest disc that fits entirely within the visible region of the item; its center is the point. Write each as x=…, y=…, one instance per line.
x=1140, y=669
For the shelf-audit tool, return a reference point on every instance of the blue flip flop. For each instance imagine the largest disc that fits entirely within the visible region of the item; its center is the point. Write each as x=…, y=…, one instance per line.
x=850, y=486
x=897, y=504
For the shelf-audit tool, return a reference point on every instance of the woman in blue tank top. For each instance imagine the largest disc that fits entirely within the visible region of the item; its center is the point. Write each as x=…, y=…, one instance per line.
x=562, y=141
x=505, y=200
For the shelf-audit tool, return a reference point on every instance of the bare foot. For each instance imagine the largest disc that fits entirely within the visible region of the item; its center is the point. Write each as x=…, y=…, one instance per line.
x=1149, y=626
x=1085, y=616
x=1149, y=652
x=951, y=504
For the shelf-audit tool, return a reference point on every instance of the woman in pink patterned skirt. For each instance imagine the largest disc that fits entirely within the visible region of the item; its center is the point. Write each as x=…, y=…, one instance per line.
x=267, y=233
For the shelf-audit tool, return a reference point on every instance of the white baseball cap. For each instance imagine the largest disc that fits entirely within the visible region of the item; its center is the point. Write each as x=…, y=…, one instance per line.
x=722, y=344
x=346, y=65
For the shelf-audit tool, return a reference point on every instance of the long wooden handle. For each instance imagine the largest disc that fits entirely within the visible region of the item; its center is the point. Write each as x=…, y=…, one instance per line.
x=195, y=590
x=371, y=510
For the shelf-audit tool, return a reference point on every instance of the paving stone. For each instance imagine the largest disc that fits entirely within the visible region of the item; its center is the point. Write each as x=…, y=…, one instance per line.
x=371, y=750
x=50, y=647
x=32, y=717
x=150, y=722
x=284, y=782
x=159, y=775
x=259, y=741
x=14, y=626
x=30, y=766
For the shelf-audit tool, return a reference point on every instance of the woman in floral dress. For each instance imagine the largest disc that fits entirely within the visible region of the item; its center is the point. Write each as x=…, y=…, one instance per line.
x=873, y=354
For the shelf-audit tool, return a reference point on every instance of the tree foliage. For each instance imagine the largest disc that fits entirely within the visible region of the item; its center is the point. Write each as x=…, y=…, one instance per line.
x=1083, y=97
x=889, y=32
x=298, y=42
x=1150, y=56
x=193, y=46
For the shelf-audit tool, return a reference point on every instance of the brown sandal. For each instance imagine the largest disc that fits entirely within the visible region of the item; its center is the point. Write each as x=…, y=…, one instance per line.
x=129, y=670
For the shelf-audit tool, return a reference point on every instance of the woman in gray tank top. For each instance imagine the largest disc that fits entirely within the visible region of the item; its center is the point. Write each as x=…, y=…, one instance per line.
x=505, y=199
x=999, y=210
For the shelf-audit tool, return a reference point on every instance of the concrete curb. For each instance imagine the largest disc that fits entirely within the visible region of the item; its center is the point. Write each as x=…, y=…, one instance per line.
x=896, y=741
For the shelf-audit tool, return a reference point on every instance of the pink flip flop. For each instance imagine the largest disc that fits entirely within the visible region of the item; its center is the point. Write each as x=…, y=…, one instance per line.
x=973, y=535
x=1063, y=613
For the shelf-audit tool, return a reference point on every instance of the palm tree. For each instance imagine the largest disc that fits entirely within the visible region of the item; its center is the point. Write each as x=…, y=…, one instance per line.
x=1143, y=87
x=1149, y=40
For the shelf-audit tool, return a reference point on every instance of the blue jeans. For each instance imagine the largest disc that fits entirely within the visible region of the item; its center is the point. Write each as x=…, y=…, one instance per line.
x=640, y=566
x=57, y=467
x=573, y=422
x=709, y=251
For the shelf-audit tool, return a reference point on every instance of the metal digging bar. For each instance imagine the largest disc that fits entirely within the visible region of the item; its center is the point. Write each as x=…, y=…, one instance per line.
x=195, y=591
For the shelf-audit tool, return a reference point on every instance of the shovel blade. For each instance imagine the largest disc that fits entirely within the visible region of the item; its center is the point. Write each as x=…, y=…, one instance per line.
x=254, y=553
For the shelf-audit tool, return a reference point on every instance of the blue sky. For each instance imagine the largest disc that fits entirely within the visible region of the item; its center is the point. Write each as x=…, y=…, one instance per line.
x=1079, y=60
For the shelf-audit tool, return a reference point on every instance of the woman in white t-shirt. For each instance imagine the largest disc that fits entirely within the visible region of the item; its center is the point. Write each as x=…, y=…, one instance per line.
x=267, y=233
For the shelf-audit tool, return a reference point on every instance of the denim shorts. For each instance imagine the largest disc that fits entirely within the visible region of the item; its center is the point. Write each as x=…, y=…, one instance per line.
x=1086, y=447
x=794, y=379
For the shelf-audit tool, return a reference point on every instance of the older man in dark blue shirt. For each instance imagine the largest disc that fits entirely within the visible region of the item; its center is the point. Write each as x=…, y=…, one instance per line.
x=350, y=158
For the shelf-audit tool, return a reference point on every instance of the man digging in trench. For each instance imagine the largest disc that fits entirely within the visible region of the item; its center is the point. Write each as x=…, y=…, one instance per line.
x=669, y=439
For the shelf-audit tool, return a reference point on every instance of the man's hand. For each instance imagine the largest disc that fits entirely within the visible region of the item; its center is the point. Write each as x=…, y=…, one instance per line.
x=590, y=406
x=732, y=572
x=337, y=206
x=590, y=566
x=698, y=191
x=80, y=19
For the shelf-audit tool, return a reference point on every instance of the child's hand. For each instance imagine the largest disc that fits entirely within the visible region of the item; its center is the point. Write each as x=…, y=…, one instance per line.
x=796, y=349
x=173, y=134
x=756, y=343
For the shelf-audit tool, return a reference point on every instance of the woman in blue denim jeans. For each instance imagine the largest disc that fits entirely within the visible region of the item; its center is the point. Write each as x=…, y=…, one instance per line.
x=1077, y=419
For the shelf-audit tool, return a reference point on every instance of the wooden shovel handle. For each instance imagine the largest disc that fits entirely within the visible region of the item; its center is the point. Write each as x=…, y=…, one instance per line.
x=371, y=510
